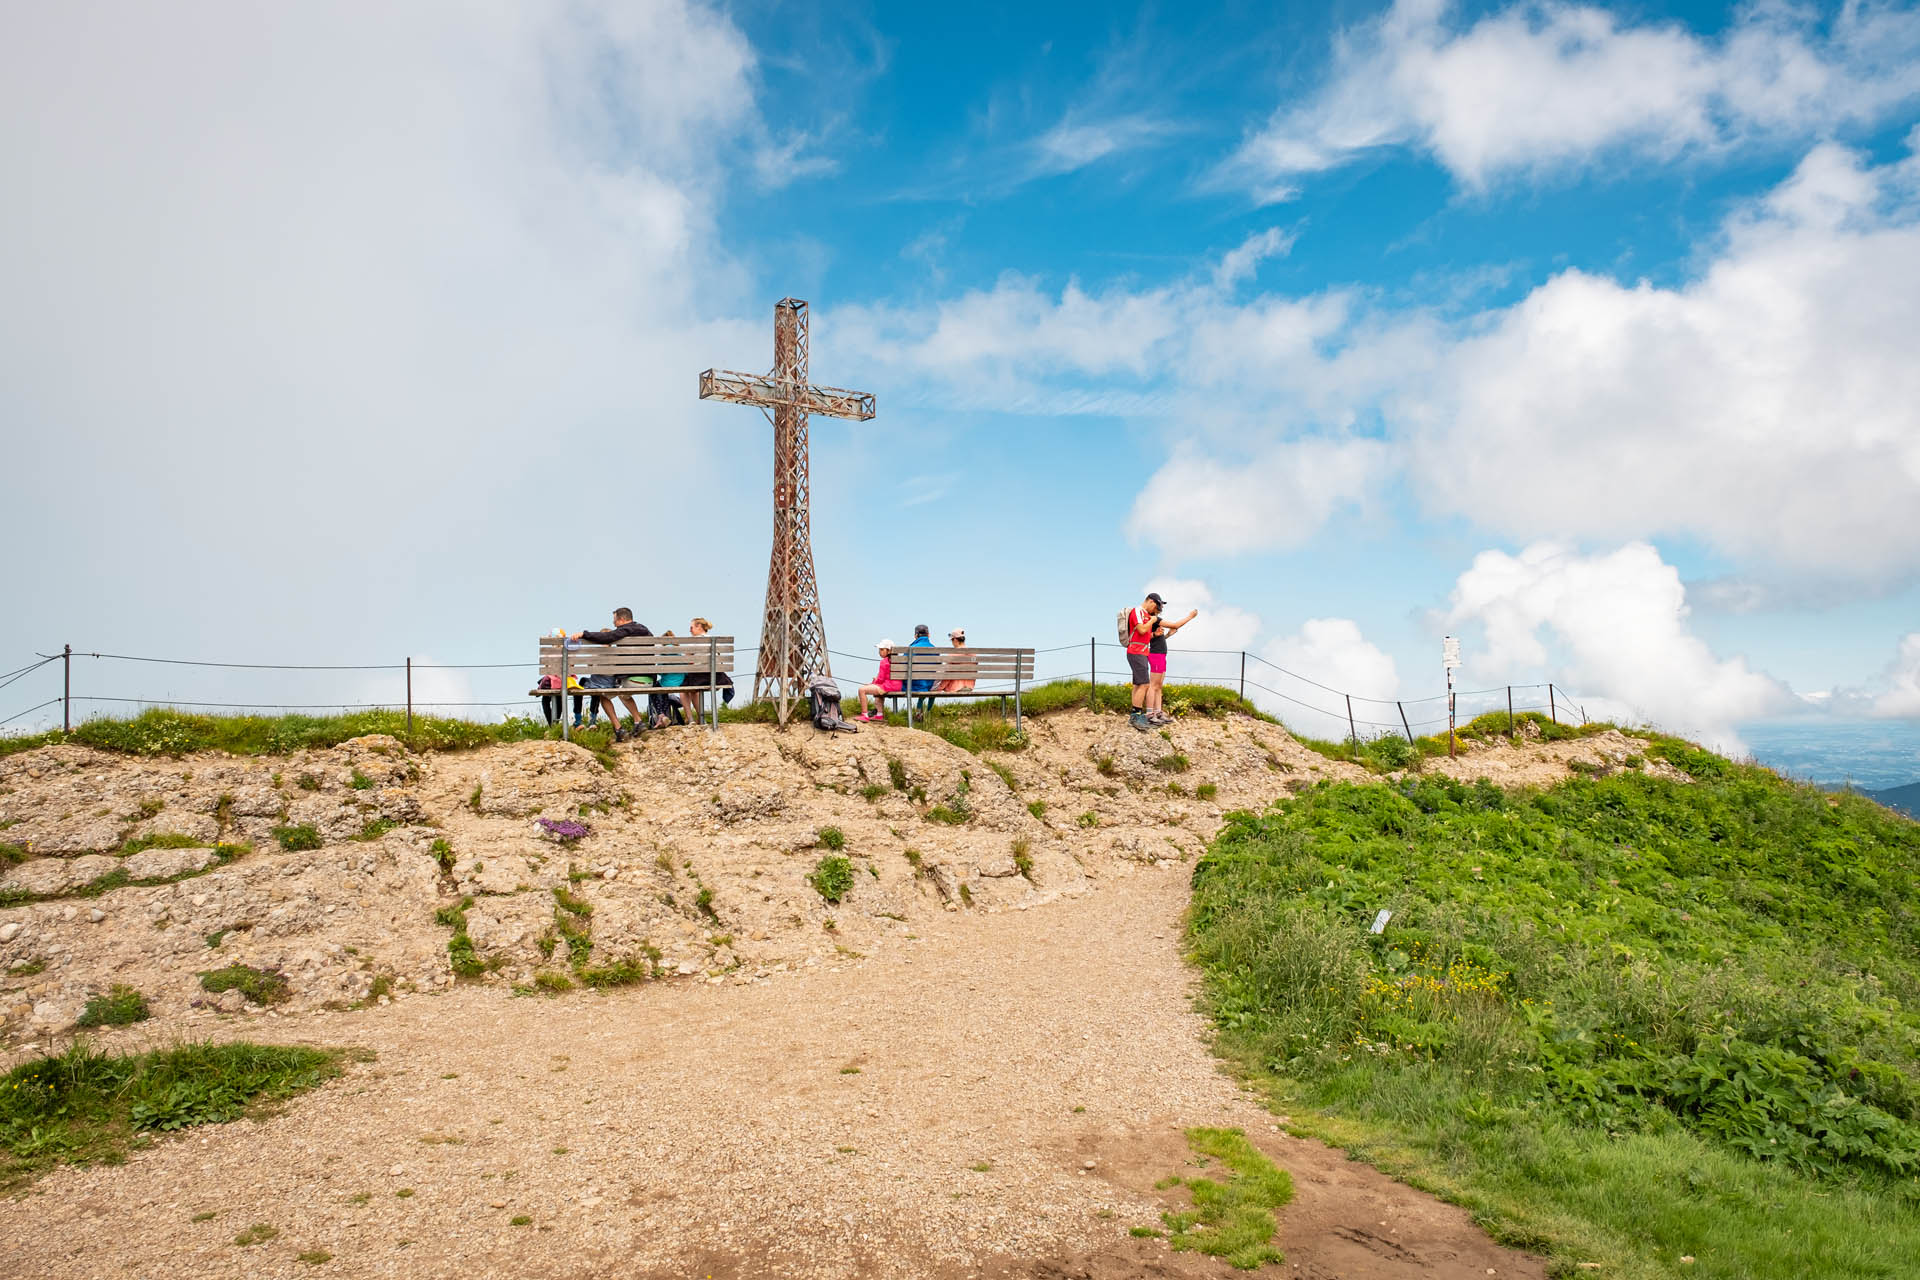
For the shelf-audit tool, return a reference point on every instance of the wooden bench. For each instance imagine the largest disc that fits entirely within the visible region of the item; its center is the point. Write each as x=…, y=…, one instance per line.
x=912, y=664
x=696, y=657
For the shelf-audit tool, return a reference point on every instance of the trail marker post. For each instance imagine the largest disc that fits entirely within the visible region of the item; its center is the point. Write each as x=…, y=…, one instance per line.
x=1450, y=658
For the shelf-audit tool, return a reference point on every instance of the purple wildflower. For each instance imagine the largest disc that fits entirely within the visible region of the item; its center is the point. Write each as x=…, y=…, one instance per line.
x=565, y=830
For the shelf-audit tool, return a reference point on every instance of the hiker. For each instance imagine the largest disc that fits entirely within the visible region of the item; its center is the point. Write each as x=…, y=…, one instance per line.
x=922, y=639
x=697, y=680
x=1157, y=665
x=962, y=683
x=554, y=706
x=1139, y=632
x=623, y=626
x=883, y=684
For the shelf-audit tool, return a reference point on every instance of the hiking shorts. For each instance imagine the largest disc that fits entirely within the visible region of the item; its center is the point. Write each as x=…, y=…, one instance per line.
x=1157, y=663
x=1137, y=663
x=603, y=682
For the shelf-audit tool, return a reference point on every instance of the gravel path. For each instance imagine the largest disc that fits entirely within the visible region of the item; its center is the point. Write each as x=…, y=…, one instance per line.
x=928, y=1110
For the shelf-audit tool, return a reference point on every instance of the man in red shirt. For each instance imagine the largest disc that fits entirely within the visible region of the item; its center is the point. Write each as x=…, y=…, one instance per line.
x=1139, y=642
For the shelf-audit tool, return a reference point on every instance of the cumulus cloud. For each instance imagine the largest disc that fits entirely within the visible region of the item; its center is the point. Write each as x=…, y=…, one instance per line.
x=1537, y=87
x=1612, y=627
x=1901, y=698
x=1197, y=505
x=1208, y=646
x=303, y=298
x=1331, y=652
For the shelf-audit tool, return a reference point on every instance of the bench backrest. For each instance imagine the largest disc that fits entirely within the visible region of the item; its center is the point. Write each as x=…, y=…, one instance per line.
x=639, y=656
x=962, y=664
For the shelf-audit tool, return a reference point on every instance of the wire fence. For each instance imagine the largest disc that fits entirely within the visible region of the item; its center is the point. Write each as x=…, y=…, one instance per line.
x=1251, y=675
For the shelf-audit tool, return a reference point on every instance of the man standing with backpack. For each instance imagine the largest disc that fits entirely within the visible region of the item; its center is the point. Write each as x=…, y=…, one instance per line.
x=1136, y=631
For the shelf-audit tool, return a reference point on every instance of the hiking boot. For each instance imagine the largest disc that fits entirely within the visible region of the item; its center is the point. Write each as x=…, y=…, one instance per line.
x=1159, y=717
x=1138, y=720
x=619, y=733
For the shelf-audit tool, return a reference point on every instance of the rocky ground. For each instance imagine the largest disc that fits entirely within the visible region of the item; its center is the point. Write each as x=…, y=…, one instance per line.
x=696, y=862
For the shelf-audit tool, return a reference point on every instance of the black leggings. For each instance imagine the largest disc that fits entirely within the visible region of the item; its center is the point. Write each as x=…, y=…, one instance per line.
x=550, y=707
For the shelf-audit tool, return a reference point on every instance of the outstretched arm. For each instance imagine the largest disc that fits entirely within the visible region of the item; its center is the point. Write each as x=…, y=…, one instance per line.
x=1175, y=626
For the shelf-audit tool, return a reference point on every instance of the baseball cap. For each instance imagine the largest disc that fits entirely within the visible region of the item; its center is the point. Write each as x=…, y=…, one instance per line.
x=1155, y=597
x=884, y=644
x=920, y=629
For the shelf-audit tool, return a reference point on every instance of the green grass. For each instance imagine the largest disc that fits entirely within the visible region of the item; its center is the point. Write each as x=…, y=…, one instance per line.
x=1233, y=1218
x=297, y=838
x=83, y=1107
x=259, y=986
x=121, y=1006
x=1023, y=856
x=171, y=733
x=1624, y=1020
x=831, y=838
x=832, y=877
x=258, y=1233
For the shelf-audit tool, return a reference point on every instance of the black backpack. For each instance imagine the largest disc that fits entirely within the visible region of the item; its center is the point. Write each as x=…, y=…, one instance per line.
x=824, y=695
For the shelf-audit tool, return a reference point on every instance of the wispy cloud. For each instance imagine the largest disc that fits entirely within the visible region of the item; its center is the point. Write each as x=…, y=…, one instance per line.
x=1076, y=143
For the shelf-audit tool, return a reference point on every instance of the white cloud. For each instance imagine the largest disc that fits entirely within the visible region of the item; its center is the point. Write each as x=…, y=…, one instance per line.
x=1074, y=143
x=1612, y=628
x=1330, y=652
x=1197, y=505
x=1538, y=86
x=1901, y=698
x=1210, y=645
x=309, y=297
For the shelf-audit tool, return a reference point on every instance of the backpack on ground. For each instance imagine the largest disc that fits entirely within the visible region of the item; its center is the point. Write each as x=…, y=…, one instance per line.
x=824, y=695
x=1120, y=624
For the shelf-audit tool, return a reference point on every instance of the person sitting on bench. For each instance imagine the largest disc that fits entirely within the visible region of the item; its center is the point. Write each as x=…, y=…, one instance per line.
x=958, y=684
x=697, y=680
x=623, y=626
x=883, y=684
x=923, y=639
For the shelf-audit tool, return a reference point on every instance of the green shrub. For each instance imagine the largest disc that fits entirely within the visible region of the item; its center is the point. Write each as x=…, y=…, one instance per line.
x=832, y=877
x=259, y=986
x=831, y=838
x=297, y=839
x=121, y=1006
x=897, y=774
x=1206, y=791
x=1175, y=763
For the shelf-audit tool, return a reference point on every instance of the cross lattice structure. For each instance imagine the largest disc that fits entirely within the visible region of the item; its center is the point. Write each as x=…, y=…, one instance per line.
x=793, y=636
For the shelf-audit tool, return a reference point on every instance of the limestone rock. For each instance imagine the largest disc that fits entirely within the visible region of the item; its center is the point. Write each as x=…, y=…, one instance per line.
x=10, y=930
x=58, y=875
x=201, y=828
x=160, y=864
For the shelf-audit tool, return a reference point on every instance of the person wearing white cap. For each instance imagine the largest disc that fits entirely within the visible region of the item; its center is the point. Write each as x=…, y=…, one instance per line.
x=883, y=684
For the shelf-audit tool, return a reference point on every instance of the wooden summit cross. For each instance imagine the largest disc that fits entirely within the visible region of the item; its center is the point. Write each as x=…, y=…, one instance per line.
x=793, y=638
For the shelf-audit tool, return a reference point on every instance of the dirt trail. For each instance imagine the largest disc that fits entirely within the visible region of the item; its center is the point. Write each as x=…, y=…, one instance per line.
x=825, y=1122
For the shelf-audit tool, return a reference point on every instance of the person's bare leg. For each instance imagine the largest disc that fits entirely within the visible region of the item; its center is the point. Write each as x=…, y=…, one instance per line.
x=626, y=700
x=1156, y=690
x=604, y=706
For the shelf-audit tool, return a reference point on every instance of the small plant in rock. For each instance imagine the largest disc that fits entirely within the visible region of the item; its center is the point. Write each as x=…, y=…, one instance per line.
x=897, y=773
x=259, y=986
x=565, y=830
x=442, y=854
x=1005, y=774
x=473, y=800
x=703, y=901
x=1175, y=763
x=121, y=1006
x=570, y=903
x=258, y=1233
x=307, y=782
x=297, y=839
x=1105, y=766
x=1088, y=819
x=1023, y=856
x=1206, y=791
x=832, y=877
x=360, y=781
x=374, y=828
x=150, y=808
x=831, y=838
x=872, y=792
x=552, y=980
x=966, y=895
x=1038, y=808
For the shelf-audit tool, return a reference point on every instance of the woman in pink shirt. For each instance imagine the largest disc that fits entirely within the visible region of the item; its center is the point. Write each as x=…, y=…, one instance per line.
x=883, y=684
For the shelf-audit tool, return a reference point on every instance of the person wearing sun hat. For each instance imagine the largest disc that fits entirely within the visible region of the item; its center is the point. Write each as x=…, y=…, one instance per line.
x=882, y=685
x=962, y=682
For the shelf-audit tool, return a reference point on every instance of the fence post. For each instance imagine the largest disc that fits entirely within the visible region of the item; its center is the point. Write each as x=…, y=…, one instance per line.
x=410, y=696
x=565, y=734
x=1243, y=675
x=1552, y=714
x=1509, y=713
x=1353, y=734
x=66, y=689
x=1404, y=724
x=1093, y=678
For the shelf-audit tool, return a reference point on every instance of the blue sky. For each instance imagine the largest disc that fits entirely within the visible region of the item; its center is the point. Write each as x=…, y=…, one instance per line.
x=1579, y=331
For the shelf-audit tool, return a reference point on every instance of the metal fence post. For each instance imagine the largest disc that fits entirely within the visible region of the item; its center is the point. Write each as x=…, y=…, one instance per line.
x=1243, y=675
x=1353, y=734
x=1093, y=678
x=1403, y=721
x=1552, y=714
x=66, y=689
x=410, y=696
x=1509, y=713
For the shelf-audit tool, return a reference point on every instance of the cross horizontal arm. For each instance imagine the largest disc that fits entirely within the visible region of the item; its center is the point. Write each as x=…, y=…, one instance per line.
x=769, y=392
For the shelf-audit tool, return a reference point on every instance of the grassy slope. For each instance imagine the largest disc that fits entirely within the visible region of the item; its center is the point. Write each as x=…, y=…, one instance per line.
x=975, y=726
x=1626, y=1021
